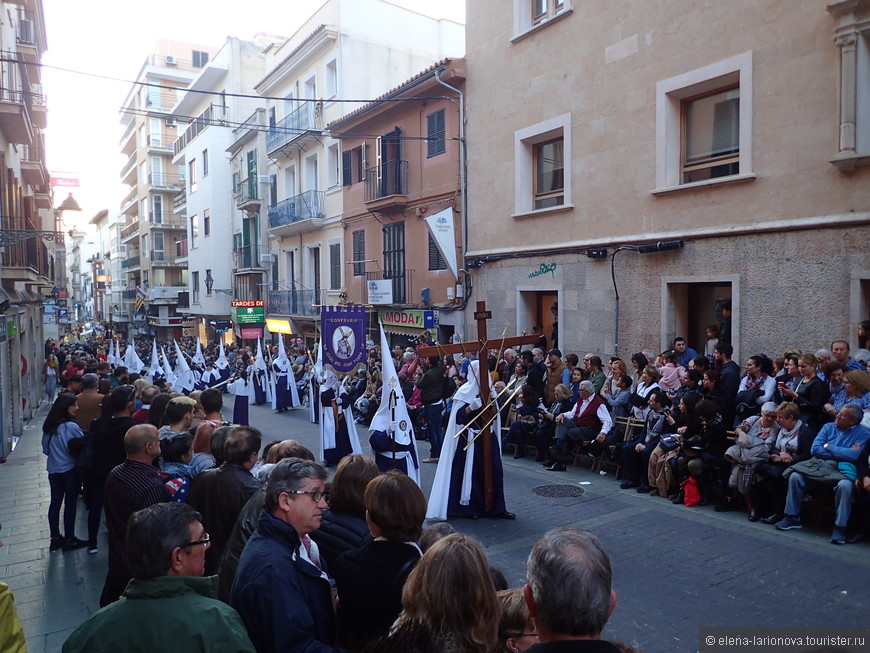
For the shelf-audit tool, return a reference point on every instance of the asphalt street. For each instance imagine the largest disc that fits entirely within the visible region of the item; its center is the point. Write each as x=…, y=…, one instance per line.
x=676, y=569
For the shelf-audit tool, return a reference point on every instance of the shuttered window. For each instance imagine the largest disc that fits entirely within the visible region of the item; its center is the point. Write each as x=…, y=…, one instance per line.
x=335, y=266
x=436, y=261
x=359, y=252
x=346, y=168
x=435, y=133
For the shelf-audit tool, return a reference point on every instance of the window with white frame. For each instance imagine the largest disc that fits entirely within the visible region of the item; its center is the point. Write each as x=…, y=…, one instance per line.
x=194, y=287
x=144, y=246
x=542, y=166
x=331, y=78
x=704, y=126
x=205, y=163
x=334, y=163
x=531, y=14
x=191, y=175
x=194, y=230
x=335, y=266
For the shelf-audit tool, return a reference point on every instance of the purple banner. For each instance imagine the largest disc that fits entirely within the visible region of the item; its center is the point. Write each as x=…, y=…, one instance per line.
x=342, y=331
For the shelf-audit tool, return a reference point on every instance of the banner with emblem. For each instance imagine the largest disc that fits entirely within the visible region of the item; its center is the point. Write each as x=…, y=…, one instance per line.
x=343, y=334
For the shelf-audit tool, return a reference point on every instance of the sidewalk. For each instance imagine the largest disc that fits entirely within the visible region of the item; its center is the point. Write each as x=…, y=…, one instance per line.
x=53, y=593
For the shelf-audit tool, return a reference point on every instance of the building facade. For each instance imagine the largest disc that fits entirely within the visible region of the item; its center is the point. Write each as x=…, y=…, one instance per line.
x=31, y=261
x=402, y=170
x=341, y=57
x=218, y=102
x=154, y=235
x=741, y=130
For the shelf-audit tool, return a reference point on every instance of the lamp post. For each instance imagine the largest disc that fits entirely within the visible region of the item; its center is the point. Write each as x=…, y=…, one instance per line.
x=659, y=246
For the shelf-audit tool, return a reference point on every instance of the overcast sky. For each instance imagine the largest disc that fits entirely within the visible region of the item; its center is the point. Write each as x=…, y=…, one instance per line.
x=111, y=38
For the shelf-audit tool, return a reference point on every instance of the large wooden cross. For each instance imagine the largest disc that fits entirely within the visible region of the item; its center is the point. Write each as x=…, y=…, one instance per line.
x=482, y=346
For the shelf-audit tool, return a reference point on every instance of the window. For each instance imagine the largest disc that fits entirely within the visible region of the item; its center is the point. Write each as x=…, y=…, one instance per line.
x=361, y=162
x=206, y=222
x=335, y=266
x=542, y=170
x=394, y=259
x=711, y=144
x=314, y=269
x=359, y=252
x=530, y=15
x=145, y=246
x=194, y=230
x=158, y=252
x=436, y=261
x=549, y=161
x=200, y=59
x=852, y=37
x=334, y=164
x=194, y=287
x=191, y=171
x=157, y=209
x=208, y=282
x=347, y=168
x=435, y=143
x=704, y=126
x=205, y=163
x=273, y=190
x=331, y=78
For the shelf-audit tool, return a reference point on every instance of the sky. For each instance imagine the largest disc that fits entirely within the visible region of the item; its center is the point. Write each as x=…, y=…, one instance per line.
x=111, y=39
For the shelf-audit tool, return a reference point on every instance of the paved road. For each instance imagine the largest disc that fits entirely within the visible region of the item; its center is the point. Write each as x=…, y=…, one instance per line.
x=676, y=569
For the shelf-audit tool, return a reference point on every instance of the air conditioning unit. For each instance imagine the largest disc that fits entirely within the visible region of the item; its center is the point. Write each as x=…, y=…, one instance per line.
x=170, y=122
x=267, y=258
x=170, y=60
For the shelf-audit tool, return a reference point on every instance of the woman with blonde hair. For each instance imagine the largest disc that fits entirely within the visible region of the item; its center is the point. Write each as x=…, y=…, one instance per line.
x=449, y=603
x=50, y=376
x=516, y=630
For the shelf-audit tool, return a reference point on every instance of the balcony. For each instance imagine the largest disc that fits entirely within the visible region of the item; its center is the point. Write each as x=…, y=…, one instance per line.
x=387, y=185
x=246, y=194
x=28, y=260
x=166, y=293
x=162, y=258
x=128, y=295
x=26, y=36
x=179, y=202
x=299, y=125
x=164, y=181
x=128, y=140
x=131, y=263
x=402, y=284
x=158, y=145
x=131, y=200
x=128, y=172
x=33, y=164
x=297, y=214
x=130, y=231
x=295, y=303
x=247, y=257
x=15, y=115
x=213, y=114
x=160, y=220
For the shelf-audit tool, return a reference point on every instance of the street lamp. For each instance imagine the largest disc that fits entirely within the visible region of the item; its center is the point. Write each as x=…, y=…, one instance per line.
x=659, y=246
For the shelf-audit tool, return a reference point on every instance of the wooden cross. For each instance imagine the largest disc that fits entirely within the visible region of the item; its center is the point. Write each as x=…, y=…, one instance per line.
x=482, y=346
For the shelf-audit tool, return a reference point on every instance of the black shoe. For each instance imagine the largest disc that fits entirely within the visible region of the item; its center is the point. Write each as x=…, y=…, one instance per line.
x=771, y=519
x=73, y=544
x=56, y=544
x=506, y=515
x=626, y=485
x=556, y=467
x=549, y=462
x=644, y=489
x=753, y=515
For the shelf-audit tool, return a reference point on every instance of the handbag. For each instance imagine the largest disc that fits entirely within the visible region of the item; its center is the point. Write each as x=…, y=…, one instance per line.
x=82, y=451
x=691, y=492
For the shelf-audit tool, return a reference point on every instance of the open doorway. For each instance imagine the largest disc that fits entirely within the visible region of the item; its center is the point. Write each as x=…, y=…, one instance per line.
x=693, y=304
x=539, y=308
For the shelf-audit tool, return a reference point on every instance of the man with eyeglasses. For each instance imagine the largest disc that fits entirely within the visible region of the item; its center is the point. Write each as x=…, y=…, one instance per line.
x=166, y=544
x=131, y=486
x=282, y=590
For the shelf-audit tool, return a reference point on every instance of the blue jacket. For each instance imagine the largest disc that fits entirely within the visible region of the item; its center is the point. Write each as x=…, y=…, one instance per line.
x=284, y=600
x=840, y=443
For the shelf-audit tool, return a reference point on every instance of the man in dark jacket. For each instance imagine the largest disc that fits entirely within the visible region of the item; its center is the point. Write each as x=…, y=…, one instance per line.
x=282, y=592
x=431, y=394
x=221, y=493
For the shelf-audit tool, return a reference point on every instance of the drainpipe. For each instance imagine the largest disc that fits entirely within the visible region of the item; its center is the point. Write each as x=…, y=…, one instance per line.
x=463, y=181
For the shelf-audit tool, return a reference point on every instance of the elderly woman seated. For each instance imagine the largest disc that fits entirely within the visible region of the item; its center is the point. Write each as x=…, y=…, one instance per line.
x=756, y=436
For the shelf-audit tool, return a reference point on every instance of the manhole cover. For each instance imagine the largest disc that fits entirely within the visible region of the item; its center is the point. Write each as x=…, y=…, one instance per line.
x=558, y=491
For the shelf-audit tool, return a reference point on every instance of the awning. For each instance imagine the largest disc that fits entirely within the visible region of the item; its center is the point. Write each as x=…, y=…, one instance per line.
x=403, y=330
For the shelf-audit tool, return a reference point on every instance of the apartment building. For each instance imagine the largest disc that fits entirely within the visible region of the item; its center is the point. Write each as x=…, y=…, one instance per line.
x=222, y=237
x=741, y=129
x=153, y=238
x=31, y=253
x=347, y=53
x=401, y=178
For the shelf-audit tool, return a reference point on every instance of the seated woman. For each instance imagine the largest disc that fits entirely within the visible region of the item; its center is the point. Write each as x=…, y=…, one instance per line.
x=516, y=630
x=343, y=527
x=617, y=369
x=620, y=401
x=755, y=439
x=756, y=388
x=635, y=453
x=448, y=603
x=395, y=510
x=810, y=393
x=691, y=382
x=792, y=445
x=648, y=382
x=662, y=461
x=789, y=376
x=596, y=373
x=703, y=452
x=712, y=389
x=529, y=406
x=638, y=362
x=545, y=428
